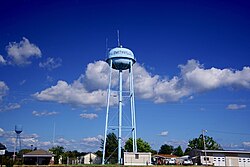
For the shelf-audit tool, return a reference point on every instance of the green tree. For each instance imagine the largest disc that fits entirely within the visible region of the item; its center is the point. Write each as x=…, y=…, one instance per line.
x=99, y=153
x=111, y=151
x=178, y=151
x=187, y=151
x=198, y=143
x=166, y=149
x=142, y=146
x=57, y=151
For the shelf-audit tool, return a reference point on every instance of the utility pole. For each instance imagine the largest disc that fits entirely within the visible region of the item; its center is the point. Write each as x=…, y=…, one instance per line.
x=204, y=143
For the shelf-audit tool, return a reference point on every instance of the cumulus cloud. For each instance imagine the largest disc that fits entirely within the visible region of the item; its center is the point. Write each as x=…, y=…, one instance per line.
x=21, y=53
x=91, y=139
x=9, y=139
x=51, y=63
x=90, y=88
x=177, y=143
x=197, y=78
x=7, y=134
x=3, y=90
x=92, y=142
x=9, y=107
x=246, y=144
x=236, y=106
x=85, y=144
x=89, y=116
x=2, y=60
x=164, y=133
x=74, y=94
x=63, y=141
x=44, y=113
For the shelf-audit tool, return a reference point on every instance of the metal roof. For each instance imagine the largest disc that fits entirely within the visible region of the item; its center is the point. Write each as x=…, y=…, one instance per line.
x=38, y=153
x=2, y=147
x=227, y=151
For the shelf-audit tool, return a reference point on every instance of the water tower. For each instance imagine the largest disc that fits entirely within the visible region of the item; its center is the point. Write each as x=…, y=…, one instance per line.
x=121, y=59
x=18, y=130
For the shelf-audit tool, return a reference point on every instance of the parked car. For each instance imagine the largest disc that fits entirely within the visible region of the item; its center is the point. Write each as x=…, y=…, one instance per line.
x=172, y=161
x=187, y=162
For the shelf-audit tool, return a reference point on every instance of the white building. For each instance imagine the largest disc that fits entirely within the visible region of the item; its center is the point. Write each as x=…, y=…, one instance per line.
x=221, y=158
x=139, y=158
x=91, y=158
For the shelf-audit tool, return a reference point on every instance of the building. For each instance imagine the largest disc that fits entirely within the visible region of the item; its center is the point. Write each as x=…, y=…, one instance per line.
x=91, y=158
x=163, y=159
x=138, y=159
x=2, y=149
x=38, y=157
x=221, y=157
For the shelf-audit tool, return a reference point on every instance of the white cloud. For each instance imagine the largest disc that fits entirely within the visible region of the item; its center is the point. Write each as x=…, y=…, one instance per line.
x=44, y=113
x=84, y=145
x=9, y=139
x=97, y=76
x=196, y=78
x=91, y=139
x=63, y=141
x=177, y=143
x=7, y=134
x=3, y=90
x=21, y=53
x=246, y=144
x=74, y=94
x=9, y=107
x=92, y=143
x=51, y=63
x=236, y=106
x=89, y=116
x=1, y=132
x=22, y=82
x=231, y=146
x=2, y=60
x=47, y=144
x=164, y=133
x=90, y=88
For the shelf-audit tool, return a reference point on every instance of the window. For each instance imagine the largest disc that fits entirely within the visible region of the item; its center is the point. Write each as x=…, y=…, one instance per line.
x=136, y=156
x=205, y=158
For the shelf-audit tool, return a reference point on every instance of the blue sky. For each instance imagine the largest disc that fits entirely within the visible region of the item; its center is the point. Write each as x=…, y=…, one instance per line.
x=192, y=70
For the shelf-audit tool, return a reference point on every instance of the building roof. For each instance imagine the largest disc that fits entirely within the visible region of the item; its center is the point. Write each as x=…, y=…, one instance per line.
x=38, y=153
x=2, y=147
x=227, y=151
x=165, y=156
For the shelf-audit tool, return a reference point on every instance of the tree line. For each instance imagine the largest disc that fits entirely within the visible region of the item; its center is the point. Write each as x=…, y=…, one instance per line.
x=112, y=151
x=143, y=146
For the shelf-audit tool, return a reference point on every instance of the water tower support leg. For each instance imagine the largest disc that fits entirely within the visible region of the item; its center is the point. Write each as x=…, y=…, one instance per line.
x=120, y=119
x=107, y=115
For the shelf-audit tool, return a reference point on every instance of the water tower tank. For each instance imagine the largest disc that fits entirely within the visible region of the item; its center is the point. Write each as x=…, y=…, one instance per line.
x=121, y=58
x=18, y=129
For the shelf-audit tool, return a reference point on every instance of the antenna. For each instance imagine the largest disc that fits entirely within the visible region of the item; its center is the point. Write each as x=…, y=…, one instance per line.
x=118, y=38
x=54, y=131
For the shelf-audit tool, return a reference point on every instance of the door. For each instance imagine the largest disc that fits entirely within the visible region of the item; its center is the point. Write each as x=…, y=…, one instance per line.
x=219, y=160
